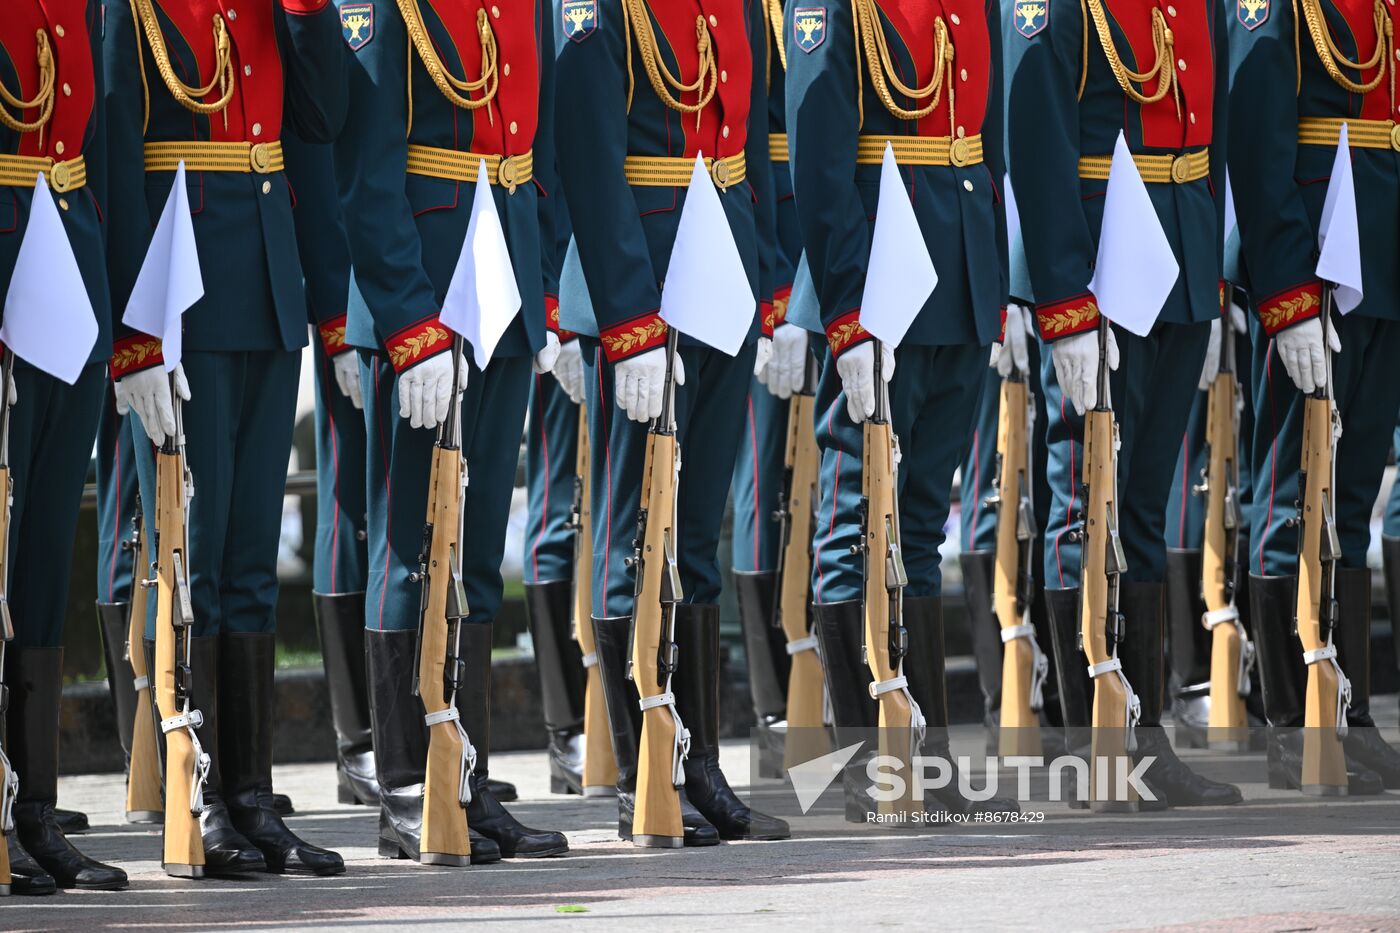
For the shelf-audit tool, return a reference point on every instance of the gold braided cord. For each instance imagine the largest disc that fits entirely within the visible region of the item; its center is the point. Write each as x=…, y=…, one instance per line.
x=775, y=35
x=187, y=96
x=1164, y=69
x=452, y=87
x=1332, y=57
x=636, y=23
x=872, y=44
x=43, y=99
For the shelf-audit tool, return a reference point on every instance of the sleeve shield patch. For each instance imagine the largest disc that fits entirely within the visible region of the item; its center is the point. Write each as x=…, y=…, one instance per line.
x=357, y=24
x=809, y=27
x=1031, y=16
x=580, y=18
x=1252, y=13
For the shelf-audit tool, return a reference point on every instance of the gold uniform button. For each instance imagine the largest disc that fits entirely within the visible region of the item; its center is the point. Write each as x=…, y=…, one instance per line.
x=67, y=89
x=1192, y=115
x=247, y=71
x=1171, y=11
x=58, y=147
x=1181, y=63
x=63, y=203
x=232, y=15
x=967, y=185
x=257, y=129
x=723, y=76
x=963, y=74
x=513, y=127
x=506, y=68
x=713, y=22
x=724, y=131
x=58, y=31
x=267, y=187
x=962, y=131
x=955, y=20
x=496, y=12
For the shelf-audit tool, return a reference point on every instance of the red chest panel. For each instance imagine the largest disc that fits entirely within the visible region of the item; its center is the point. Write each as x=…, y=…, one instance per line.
x=1361, y=23
x=508, y=125
x=255, y=110
x=723, y=127
x=65, y=24
x=913, y=21
x=1193, y=62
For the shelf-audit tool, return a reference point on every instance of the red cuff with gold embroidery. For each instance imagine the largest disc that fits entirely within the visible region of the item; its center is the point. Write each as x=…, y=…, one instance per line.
x=135, y=353
x=332, y=334
x=416, y=343
x=765, y=319
x=304, y=7
x=1067, y=318
x=1222, y=297
x=1290, y=306
x=640, y=334
x=845, y=332
x=781, y=297
x=1001, y=337
x=551, y=319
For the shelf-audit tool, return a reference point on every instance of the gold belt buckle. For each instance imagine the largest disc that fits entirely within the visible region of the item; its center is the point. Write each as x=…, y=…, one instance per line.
x=260, y=158
x=719, y=171
x=508, y=172
x=1181, y=169
x=61, y=176
x=1395, y=137
x=959, y=151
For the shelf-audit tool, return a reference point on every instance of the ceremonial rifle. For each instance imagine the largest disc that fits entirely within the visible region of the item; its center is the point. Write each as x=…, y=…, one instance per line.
x=806, y=735
x=1231, y=653
x=9, y=780
x=1328, y=691
x=143, y=801
x=186, y=763
x=439, y=666
x=1024, y=665
x=656, y=820
x=1116, y=708
x=901, y=723
x=599, y=764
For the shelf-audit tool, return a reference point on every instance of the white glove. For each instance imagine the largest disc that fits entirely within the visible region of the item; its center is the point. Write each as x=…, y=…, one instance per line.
x=762, y=356
x=639, y=380
x=857, y=370
x=549, y=354
x=147, y=395
x=1077, y=367
x=347, y=375
x=787, y=369
x=426, y=390
x=1018, y=325
x=1300, y=348
x=1211, y=369
x=1237, y=319
x=568, y=369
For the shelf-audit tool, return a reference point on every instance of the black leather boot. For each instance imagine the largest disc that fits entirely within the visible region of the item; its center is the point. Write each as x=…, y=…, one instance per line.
x=548, y=607
x=34, y=677
x=926, y=668
x=1363, y=743
x=696, y=686
x=485, y=814
x=613, y=643
x=1141, y=652
x=340, y=620
x=1076, y=689
x=1284, y=677
x=27, y=878
x=246, y=665
x=1189, y=650
x=765, y=649
x=978, y=568
x=401, y=748
x=839, y=627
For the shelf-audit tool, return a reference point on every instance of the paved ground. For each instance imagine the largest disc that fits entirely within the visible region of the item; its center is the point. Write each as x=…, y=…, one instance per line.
x=1279, y=862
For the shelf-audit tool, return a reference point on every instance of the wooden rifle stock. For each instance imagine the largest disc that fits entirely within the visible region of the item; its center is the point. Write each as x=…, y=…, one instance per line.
x=442, y=609
x=806, y=735
x=1230, y=651
x=186, y=764
x=656, y=820
x=1328, y=692
x=9, y=780
x=599, y=763
x=1024, y=665
x=1101, y=624
x=143, y=794
x=886, y=641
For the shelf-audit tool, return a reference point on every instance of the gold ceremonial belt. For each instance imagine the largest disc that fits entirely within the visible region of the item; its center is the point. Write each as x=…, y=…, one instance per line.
x=262, y=158
x=921, y=150
x=21, y=171
x=1154, y=169
x=1361, y=134
x=778, y=147
x=675, y=172
x=452, y=165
